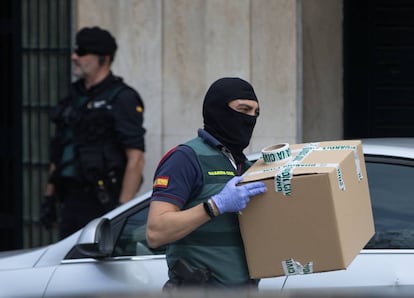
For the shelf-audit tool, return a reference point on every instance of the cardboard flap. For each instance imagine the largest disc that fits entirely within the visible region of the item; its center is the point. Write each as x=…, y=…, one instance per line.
x=314, y=162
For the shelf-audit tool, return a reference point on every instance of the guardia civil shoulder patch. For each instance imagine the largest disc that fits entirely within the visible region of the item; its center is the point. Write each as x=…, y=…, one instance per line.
x=161, y=182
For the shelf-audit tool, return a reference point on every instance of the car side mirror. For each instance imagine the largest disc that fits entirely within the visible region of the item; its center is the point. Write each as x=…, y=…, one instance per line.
x=96, y=239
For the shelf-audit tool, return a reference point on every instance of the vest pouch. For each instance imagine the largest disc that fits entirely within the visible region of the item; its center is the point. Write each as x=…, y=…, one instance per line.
x=114, y=158
x=115, y=162
x=95, y=170
x=91, y=163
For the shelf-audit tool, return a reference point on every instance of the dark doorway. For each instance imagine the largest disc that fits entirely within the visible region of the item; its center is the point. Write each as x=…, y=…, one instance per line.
x=35, y=47
x=10, y=127
x=378, y=68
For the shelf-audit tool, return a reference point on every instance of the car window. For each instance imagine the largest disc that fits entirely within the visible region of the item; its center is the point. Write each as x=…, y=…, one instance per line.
x=391, y=188
x=132, y=239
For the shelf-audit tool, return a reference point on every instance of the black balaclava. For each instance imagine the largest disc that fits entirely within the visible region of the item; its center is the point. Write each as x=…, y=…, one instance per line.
x=233, y=129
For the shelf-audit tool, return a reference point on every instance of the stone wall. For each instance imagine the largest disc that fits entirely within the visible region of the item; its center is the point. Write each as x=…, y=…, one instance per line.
x=172, y=50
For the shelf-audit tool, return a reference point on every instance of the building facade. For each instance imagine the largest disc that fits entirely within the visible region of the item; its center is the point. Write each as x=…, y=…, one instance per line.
x=310, y=63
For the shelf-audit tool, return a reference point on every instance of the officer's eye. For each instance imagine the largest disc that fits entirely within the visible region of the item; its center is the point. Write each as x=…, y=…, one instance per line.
x=248, y=110
x=247, y=107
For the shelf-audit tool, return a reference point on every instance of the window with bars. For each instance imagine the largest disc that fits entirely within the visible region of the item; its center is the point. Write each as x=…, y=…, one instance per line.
x=45, y=76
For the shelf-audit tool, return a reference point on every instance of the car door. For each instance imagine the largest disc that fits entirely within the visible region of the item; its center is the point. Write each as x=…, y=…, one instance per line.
x=131, y=268
x=388, y=258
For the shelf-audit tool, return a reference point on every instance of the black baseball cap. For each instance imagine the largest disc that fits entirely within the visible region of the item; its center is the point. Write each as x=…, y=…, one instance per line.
x=95, y=40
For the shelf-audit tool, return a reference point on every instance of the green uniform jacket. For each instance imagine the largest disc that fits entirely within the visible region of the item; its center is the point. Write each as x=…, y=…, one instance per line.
x=216, y=245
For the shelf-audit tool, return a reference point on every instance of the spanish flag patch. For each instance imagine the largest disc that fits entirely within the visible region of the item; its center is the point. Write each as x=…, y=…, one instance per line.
x=161, y=182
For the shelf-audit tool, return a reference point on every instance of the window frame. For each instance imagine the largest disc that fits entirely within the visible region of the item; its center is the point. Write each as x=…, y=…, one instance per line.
x=385, y=160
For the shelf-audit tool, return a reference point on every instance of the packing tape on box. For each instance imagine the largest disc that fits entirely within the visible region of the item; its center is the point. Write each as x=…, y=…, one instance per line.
x=356, y=156
x=276, y=153
x=284, y=175
x=291, y=267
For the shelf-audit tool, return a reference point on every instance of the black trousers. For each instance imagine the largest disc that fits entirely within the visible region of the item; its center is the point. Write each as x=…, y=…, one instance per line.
x=79, y=204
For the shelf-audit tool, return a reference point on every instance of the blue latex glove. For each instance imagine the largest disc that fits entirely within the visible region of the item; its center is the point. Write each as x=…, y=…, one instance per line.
x=234, y=198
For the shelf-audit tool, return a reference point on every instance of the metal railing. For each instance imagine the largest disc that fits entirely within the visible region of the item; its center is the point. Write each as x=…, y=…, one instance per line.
x=46, y=48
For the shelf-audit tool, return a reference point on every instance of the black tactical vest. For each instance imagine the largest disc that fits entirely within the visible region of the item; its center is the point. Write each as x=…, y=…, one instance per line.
x=86, y=146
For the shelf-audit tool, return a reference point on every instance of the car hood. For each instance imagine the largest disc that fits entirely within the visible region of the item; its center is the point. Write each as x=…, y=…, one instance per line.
x=19, y=259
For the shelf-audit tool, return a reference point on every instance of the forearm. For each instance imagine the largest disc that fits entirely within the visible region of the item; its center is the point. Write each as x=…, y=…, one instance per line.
x=132, y=175
x=130, y=184
x=166, y=225
x=50, y=187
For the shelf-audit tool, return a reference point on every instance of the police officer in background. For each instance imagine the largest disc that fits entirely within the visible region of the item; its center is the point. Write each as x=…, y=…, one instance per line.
x=97, y=154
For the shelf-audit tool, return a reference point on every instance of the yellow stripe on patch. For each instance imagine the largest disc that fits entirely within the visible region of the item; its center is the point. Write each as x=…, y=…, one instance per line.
x=221, y=173
x=161, y=182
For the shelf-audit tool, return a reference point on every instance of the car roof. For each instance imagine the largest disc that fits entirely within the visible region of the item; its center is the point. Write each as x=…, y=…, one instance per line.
x=400, y=147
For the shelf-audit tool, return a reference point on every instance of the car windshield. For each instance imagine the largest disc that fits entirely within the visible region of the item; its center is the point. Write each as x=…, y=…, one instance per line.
x=391, y=189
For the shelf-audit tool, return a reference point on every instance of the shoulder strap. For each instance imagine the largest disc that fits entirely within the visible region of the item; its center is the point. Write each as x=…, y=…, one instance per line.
x=115, y=92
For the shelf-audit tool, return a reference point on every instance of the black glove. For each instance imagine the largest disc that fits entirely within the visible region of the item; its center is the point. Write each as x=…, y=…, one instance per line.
x=48, y=213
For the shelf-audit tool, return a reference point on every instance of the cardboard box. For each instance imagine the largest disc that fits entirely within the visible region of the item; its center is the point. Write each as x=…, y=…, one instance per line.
x=322, y=219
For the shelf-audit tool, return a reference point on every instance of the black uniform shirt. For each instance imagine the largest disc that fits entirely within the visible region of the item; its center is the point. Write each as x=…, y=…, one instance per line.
x=127, y=109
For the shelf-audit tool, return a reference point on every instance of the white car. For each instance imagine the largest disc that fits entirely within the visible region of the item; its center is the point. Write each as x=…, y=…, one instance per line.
x=110, y=255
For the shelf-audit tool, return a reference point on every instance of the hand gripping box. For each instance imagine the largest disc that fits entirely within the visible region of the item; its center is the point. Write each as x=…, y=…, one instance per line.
x=316, y=214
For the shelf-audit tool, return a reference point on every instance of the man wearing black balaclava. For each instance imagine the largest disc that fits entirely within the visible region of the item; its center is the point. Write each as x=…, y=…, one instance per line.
x=232, y=128
x=196, y=194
